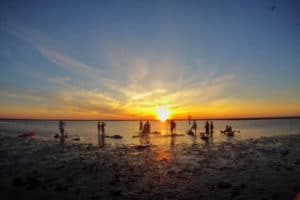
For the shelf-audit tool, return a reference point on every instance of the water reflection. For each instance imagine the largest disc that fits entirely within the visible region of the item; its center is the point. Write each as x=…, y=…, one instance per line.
x=101, y=140
x=144, y=139
x=173, y=141
x=62, y=143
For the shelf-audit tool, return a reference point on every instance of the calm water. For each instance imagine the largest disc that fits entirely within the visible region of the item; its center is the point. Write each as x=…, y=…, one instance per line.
x=87, y=130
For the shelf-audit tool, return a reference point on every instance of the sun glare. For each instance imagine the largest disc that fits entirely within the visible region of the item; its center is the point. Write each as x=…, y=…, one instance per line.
x=162, y=113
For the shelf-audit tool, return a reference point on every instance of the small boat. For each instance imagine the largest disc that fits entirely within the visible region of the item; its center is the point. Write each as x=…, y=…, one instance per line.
x=27, y=134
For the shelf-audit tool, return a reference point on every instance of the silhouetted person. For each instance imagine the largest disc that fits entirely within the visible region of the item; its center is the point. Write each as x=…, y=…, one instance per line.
x=61, y=126
x=211, y=127
x=172, y=126
x=146, y=128
x=194, y=126
x=103, y=128
x=206, y=127
x=228, y=128
x=141, y=126
x=99, y=127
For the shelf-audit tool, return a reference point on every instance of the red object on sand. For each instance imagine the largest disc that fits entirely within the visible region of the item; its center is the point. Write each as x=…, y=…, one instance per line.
x=27, y=134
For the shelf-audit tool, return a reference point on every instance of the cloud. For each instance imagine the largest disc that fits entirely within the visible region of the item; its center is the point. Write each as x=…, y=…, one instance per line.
x=133, y=83
x=45, y=46
x=61, y=59
x=59, y=80
x=147, y=94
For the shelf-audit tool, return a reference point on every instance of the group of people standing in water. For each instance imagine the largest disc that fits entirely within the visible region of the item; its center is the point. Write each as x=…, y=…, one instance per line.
x=209, y=127
x=100, y=128
x=145, y=129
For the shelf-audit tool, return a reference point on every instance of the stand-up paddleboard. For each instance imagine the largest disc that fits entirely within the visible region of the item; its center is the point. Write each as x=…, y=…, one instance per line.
x=204, y=137
x=27, y=134
x=114, y=136
x=76, y=138
x=58, y=136
x=155, y=132
x=142, y=146
x=172, y=135
x=190, y=132
x=137, y=136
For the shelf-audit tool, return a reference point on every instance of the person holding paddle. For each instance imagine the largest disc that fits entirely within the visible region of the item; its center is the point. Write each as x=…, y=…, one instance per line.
x=194, y=126
x=61, y=126
x=172, y=127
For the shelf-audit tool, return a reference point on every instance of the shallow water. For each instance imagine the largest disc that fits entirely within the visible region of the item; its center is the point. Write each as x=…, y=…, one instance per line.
x=87, y=130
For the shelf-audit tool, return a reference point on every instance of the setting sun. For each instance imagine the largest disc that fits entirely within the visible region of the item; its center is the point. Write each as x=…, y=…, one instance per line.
x=162, y=113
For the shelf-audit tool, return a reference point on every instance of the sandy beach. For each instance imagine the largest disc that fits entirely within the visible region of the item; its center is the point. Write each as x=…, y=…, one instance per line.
x=265, y=168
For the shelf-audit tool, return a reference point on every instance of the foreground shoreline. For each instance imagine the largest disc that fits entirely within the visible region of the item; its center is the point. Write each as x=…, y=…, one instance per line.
x=264, y=168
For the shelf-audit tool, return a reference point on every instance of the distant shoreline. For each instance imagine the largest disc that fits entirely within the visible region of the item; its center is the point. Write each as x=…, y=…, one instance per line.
x=215, y=119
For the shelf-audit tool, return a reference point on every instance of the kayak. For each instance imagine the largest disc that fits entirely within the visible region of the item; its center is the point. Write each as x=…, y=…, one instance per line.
x=27, y=134
x=114, y=136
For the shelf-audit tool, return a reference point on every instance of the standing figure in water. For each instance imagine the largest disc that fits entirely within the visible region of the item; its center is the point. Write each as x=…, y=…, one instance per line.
x=194, y=126
x=172, y=126
x=211, y=128
x=206, y=127
x=146, y=128
x=141, y=126
x=61, y=126
x=101, y=138
x=98, y=127
x=103, y=128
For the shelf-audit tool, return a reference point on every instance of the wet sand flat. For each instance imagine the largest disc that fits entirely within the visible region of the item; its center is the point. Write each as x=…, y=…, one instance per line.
x=265, y=168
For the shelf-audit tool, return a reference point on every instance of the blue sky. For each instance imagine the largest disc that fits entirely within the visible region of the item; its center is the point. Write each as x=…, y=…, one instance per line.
x=121, y=59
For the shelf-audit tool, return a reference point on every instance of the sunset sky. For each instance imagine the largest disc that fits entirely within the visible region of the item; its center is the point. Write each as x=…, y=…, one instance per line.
x=124, y=59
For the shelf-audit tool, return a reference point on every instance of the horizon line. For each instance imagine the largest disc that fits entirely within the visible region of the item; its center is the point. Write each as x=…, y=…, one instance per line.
x=178, y=119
